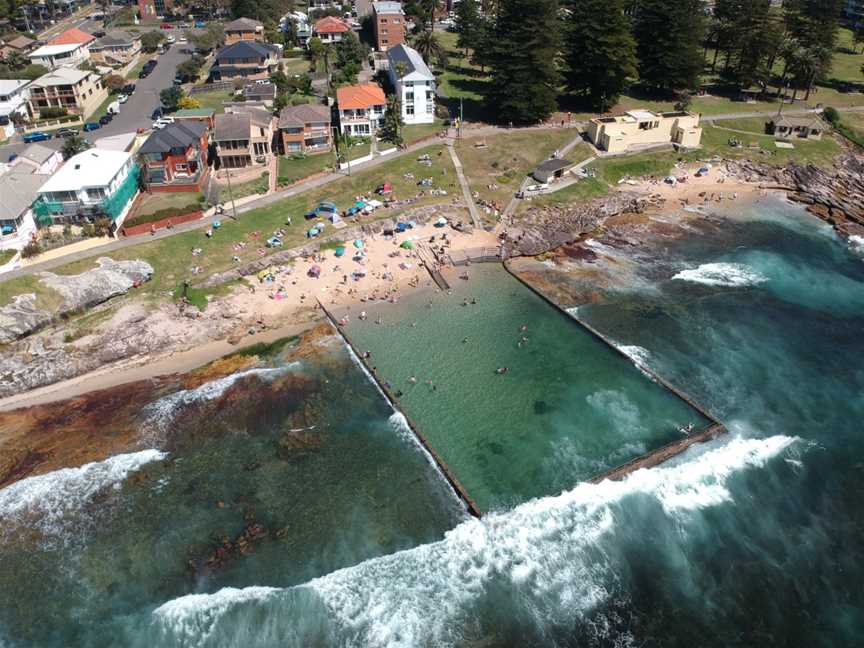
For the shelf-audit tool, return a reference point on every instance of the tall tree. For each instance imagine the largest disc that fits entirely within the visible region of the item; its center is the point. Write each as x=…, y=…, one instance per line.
x=430, y=48
x=73, y=145
x=749, y=39
x=391, y=128
x=600, y=51
x=668, y=38
x=525, y=78
x=468, y=24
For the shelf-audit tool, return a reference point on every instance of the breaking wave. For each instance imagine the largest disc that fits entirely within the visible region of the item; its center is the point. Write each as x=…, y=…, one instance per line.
x=547, y=553
x=857, y=244
x=730, y=275
x=48, y=501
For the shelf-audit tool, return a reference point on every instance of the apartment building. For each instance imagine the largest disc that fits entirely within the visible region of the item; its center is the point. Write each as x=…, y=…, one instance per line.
x=361, y=108
x=152, y=10
x=244, y=29
x=80, y=92
x=305, y=129
x=243, y=138
x=642, y=128
x=414, y=84
x=389, y=22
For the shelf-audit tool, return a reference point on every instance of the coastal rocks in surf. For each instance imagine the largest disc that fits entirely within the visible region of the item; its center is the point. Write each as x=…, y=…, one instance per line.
x=545, y=229
x=78, y=292
x=227, y=550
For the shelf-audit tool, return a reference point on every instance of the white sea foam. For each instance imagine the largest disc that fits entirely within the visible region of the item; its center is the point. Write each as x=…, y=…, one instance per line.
x=49, y=501
x=731, y=275
x=573, y=311
x=551, y=552
x=857, y=244
x=160, y=414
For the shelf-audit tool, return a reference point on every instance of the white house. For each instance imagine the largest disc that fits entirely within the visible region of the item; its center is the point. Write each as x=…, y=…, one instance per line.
x=19, y=189
x=39, y=159
x=13, y=101
x=416, y=85
x=91, y=184
x=53, y=56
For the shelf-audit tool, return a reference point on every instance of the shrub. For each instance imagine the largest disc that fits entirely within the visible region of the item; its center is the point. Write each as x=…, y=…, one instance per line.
x=52, y=112
x=31, y=250
x=832, y=116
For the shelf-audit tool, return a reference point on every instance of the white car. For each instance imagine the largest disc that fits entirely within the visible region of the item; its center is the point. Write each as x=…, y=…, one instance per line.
x=162, y=122
x=170, y=39
x=182, y=39
x=123, y=98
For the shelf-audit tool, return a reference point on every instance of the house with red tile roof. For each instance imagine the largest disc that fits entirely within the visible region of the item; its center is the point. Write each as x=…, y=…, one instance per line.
x=69, y=48
x=73, y=36
x=361, y=108
x=329, y=29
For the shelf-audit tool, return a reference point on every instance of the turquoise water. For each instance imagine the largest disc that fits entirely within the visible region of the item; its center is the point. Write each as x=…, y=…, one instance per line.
x=568, y=408
x=753, y=540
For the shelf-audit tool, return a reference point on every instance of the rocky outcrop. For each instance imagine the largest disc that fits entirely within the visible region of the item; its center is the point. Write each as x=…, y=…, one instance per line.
x=21, y=317
x=545, y=229
x=419, y=215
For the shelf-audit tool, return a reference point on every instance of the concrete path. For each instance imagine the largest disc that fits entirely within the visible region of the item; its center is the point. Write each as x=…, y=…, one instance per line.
x=466, y=190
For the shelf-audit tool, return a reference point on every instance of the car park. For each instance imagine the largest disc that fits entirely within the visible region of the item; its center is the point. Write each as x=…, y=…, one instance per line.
x=36, y=136
x=91, y=126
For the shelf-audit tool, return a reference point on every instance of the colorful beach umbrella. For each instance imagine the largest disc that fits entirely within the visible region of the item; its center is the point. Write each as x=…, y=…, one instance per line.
x=358, y=244
x=407, y=245
x=340, y=251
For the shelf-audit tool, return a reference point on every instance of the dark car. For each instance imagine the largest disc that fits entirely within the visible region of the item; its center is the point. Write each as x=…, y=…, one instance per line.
x=99, y=33
x=36, y=136
x=144, y=73
x=66, y=132
x=91, y=126
x=156, y=114
x=149, y=65
x=128, y=89
x=106, y=119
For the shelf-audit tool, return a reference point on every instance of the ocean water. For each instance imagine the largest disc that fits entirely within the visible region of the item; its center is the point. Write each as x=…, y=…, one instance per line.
x=752, y=540
x=569, y=407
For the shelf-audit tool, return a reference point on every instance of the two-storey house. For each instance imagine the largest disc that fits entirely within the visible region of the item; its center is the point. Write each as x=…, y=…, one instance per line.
x=80, y=92
x=116, y=48
x=69, y=48
x=329, y=29
x=14, y=94
x=389, y=24
x=361, y=108
x=305, y=129
x=243, y=138
x=175, y=157
x=414, y=84
x=244, y=29
x=244, y=59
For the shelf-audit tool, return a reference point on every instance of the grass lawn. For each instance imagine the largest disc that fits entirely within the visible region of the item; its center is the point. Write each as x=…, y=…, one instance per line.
x=462, y=80
x=241, y=190
x=154, y=202
x=46, y=298
x=295, y=66
x=102, y=109
x=715, y=141
x=213, y=99
x=171, y=258
x=359, y=150
x=292, y=170
x=847, y=62
x=755, y=125
x=6, y=256
x=496, y=170
x=136, y=69
x=585, y=189
x=416, y=132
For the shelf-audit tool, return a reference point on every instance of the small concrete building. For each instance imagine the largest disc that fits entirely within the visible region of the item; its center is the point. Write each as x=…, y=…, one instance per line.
x=551, y=170
x=783, y=127
x=645, y=128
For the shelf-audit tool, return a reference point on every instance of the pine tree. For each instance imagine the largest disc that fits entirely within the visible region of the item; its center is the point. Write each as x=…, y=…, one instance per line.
x=668, y=38
x=524, y=85
x=749, y=39
x=468, y=24
x=601, y=52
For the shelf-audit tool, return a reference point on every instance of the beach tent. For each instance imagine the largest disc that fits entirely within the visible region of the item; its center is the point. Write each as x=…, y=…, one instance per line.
x=441, y=222
x=360, y=204
x=401, y=227
x=312, y=233
x=407, y=245
x=267, y=275
x=315, y=271
x=358, y=244
x=335, y=218
x=340, y=251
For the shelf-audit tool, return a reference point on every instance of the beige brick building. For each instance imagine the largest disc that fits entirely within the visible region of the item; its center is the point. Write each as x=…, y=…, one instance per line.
x=80, y=92
x=645, y=128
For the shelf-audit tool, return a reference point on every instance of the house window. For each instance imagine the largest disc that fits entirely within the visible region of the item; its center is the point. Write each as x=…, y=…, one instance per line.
x=409, y=109
x=95, y=194
x=181, y=167
x=409, y=96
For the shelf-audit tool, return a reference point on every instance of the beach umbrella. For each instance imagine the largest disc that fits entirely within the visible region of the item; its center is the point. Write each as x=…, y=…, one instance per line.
x=315, y=271
x=312, y=233
x=441, y=222
x=358, y=244
x=340, y=251
x=407, y=245
x=361, y=204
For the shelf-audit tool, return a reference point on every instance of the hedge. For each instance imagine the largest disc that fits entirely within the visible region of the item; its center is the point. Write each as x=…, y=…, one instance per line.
x=168, y=212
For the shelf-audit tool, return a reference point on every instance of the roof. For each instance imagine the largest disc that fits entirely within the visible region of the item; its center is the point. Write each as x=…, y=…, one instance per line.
x=243, y=50
x=177, y=135
x=643, y=115
x=92, y=168
x=552, y=165
x=231, y=126
x=360, y=96
x=72, y=36
x=243, y=24
x=37, y=153
x=10, y=86
x=115, y=38
x=330, y=25
x=260, y=89
x=19, y=189
x=120, y=142
x=303, y=114
x=387, y=7
x=62, y=76
x=807, y=122
x=194, y=112
x=416, y=67
x=53, y=50
x=20, y=42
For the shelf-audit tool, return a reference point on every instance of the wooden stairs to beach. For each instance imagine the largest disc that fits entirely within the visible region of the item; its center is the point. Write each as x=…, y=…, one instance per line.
x=430, y=262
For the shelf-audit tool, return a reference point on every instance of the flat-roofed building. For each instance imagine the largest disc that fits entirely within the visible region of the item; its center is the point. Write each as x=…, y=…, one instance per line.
x=389, y=24
x=642, y=128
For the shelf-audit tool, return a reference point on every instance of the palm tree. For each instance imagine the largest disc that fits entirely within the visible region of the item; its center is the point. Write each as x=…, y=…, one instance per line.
x=427, y=44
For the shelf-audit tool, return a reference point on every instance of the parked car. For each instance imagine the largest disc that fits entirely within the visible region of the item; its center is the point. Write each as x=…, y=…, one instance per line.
x=156, y=114
x=123, y=98
x=167, y=26
x=36, y=136
x=66, y=132
x=200, y=24
x=178, y=80
x=105, y=119
x=91, y=126
x=182, y=39
x=128, y=89
x=162, y=122
x=170, y=39
x=144, y=73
